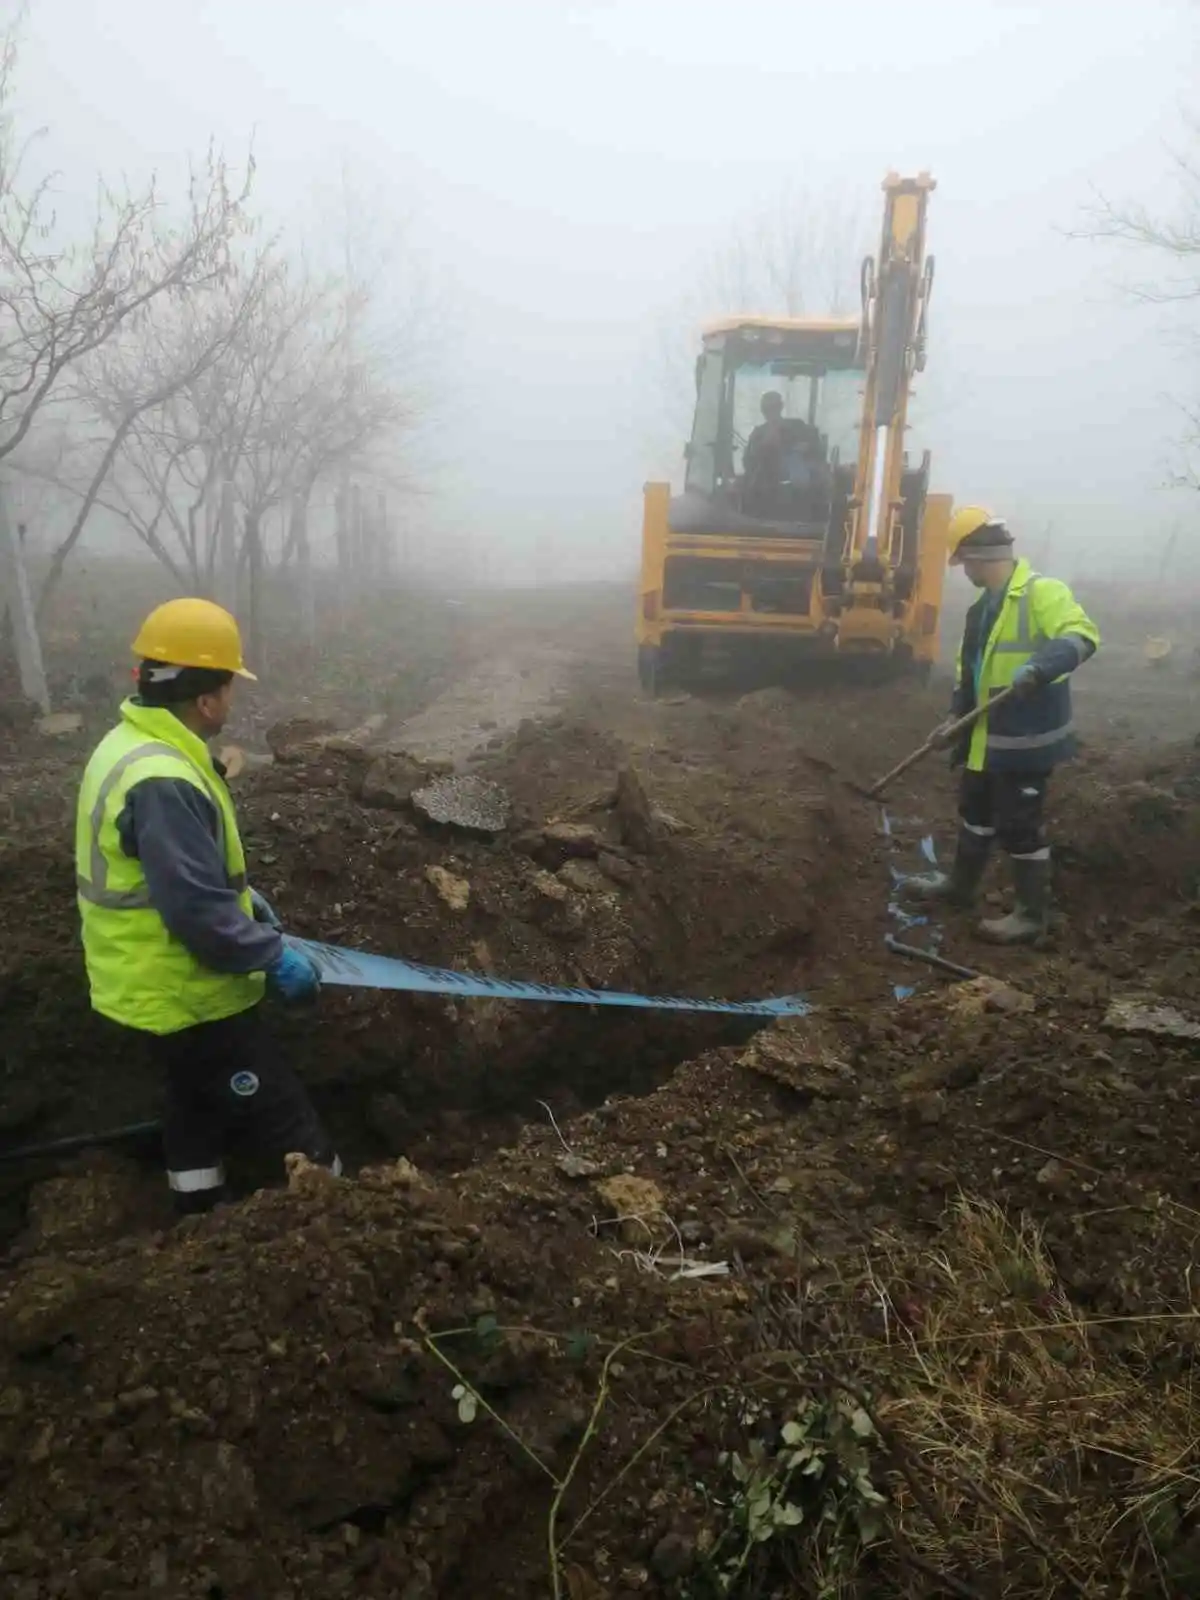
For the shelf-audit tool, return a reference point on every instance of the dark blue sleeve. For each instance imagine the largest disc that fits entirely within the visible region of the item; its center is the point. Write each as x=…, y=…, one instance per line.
x=1058, y=657
x=171, y=827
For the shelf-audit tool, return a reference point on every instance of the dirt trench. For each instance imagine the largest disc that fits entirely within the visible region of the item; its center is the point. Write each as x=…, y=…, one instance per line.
x=769, y=876
x=740, y=872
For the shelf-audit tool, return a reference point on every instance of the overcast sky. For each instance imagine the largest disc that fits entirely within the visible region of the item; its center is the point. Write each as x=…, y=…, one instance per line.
x=566, y=163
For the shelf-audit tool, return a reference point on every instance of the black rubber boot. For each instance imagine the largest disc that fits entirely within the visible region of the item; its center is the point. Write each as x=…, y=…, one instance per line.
x=198, y=1202
x=1029, y=920
x=959, y=886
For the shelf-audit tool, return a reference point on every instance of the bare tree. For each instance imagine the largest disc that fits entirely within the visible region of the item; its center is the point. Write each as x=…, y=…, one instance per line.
x=1171, y=240
x=248, y=397
x=166, y=348
x=59, y=303
x=216, y=408
x=176, y=456
x=331, y=405
x=42, y=464
x=797, y=256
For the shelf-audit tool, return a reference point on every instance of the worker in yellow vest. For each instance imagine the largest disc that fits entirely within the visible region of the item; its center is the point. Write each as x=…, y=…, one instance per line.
x=1027, y=634
x=178, y=947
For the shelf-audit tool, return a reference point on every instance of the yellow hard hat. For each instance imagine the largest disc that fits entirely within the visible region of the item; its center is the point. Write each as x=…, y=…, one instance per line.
x=192, y=633
x=968, y=521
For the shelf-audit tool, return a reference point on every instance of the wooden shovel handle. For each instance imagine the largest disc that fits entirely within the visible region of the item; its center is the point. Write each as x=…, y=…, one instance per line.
x=931, y=744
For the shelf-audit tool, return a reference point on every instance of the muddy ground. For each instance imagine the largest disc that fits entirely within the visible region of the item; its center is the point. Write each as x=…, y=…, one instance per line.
x=893, y=1299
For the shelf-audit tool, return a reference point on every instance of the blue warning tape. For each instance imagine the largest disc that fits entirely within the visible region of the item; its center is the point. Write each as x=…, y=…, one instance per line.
x=359, y=970
x=899, y=913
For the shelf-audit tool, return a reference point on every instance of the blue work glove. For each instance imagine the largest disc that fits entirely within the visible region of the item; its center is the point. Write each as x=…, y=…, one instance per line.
x=1026, y=680
x=293, y=976
x=263, y=910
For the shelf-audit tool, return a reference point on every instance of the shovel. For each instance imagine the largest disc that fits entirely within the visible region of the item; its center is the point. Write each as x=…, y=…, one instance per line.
x=954, y=731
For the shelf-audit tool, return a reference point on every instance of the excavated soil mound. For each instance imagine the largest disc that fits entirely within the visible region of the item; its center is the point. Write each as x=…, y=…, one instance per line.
x=1132, y=825
x=384, y=1387
x=271, y=1402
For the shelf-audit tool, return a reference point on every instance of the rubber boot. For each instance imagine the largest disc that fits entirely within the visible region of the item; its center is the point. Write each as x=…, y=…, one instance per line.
x=1029, y=920
x=959, y=886
x=196, y=1204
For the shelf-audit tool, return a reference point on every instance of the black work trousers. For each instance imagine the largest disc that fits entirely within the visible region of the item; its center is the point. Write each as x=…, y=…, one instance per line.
x=227, y=1091
x=1007, y=807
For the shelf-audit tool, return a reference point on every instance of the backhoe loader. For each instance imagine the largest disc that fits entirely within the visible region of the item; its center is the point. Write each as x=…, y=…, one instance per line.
x=804, y=526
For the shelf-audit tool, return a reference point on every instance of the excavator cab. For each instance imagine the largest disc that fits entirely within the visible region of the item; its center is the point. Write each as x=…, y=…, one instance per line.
x=803, y=525
x=774, y=470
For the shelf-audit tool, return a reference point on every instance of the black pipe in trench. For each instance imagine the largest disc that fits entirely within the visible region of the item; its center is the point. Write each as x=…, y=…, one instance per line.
x=81, y=1141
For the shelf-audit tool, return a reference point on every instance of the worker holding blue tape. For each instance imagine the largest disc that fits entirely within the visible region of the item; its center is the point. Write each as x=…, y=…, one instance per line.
x=178, y=948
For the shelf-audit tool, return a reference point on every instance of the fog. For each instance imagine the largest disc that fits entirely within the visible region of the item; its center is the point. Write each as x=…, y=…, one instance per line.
x=560, y=168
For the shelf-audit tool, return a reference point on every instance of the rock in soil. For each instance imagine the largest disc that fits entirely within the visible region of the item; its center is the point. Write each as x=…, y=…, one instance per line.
x=452, y=891
x=1147, y=1016
x=987, y=994
x=640, y=828
x=584, y=876
x=390, y=780
x=573, y=1166
x=617, y=869
x=295, y=739
x=560, y=841
x=805, y=1053
x=476, y=805
x=637, y=1205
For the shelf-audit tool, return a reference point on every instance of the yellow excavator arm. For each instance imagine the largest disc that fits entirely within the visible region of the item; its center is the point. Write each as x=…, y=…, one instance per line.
x=895, y=304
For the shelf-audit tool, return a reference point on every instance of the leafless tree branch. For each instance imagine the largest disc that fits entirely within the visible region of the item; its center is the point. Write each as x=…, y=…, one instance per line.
x=797, y=256
x=61, y=303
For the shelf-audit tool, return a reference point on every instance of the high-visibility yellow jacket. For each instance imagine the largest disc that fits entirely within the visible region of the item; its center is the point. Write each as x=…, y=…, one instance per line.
x=1039, y=622
x=139, y=973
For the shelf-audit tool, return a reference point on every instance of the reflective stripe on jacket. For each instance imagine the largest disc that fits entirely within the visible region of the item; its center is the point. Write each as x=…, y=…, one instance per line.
x=1039, y=622
x=139, y=973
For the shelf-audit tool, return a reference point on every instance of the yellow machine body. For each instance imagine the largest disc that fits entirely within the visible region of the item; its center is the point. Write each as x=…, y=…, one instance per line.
x=841, y=548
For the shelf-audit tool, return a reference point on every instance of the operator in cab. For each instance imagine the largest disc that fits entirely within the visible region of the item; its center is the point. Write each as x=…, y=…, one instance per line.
x=772, y=447
x=1025, y=634
x=179, y=949
x=763, y=463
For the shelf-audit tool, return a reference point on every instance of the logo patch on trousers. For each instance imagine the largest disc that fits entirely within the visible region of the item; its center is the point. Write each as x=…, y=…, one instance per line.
x=244, y=1084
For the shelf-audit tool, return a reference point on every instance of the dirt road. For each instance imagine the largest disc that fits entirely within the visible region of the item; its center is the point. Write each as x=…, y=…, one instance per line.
x=486, y=706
